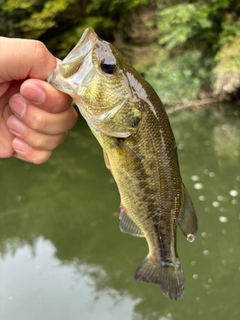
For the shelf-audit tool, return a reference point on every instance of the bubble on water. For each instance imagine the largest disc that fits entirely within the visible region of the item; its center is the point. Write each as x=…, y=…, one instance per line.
x=195, y=178
x=190, y=237
x=212, y=174
x=238, y=178
x=210, y=280
x=111, y=180
x=220, y=198
x=223, y=219
x=231, y=250
x=204, y=234
x=234, y=201
x=202, y=198
x=224, y=231
x=205, y=252
x=198, y=186
x=206, y=209
x=224, y=262
x=206, y=171
x=193, y=263
x=198, y=299
x=233, y=193
x=216, y=204
x=195, y=276
x=222, y=209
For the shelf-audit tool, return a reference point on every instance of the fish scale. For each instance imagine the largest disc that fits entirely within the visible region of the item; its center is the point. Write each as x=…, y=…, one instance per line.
x=129, y=121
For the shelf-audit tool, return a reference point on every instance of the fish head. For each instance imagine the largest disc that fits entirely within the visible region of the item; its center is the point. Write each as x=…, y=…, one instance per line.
x=94, y=74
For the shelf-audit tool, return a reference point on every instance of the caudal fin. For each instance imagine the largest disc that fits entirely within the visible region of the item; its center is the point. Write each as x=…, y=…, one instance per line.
x=169, y=276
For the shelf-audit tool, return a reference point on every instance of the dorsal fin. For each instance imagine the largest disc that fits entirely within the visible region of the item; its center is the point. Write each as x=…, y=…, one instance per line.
x=127, y=225
x=187, y=219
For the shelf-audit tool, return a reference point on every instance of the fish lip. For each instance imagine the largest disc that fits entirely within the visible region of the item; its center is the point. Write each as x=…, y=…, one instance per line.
x=78, y=53
x=68, y=67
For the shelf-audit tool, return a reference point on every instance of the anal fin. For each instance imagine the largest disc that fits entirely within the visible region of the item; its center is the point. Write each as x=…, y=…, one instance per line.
x=187, y=219
x=127, y=225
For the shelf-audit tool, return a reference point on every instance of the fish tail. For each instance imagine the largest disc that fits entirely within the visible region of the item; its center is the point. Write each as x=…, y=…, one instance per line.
x=168, y=275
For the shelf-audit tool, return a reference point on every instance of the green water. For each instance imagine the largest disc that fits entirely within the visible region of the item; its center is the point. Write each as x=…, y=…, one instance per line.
x=62, y=255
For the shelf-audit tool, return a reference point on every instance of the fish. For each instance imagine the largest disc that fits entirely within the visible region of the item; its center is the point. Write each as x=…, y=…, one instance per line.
x=131, y=125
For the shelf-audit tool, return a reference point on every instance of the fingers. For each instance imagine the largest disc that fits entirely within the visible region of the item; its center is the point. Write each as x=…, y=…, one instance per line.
x=25, y=152
x=40, y=121
x=31, y=59
x=44, y=95
x=35, y=139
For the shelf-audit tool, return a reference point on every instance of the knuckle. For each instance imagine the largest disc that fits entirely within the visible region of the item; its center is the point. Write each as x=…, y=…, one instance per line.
x=41, y=157
x=39, y=122
x=73, y=118
x=40, y=50
x=40, y=142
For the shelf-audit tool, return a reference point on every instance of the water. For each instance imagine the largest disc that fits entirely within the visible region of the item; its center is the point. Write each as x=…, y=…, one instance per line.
x=62, y=255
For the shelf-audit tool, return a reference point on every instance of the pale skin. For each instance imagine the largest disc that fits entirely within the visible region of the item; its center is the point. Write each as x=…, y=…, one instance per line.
x=34, y=116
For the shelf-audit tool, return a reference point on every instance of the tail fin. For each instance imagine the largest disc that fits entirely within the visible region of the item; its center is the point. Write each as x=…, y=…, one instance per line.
x=168, y=276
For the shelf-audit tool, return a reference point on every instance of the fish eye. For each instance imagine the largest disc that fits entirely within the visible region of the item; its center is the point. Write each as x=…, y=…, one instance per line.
x=109, y=65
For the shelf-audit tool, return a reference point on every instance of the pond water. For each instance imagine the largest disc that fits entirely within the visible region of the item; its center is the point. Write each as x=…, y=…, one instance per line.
x=62, y=255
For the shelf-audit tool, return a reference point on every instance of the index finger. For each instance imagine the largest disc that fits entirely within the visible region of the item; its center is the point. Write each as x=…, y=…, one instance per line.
x=52, y=100
x=22, y=58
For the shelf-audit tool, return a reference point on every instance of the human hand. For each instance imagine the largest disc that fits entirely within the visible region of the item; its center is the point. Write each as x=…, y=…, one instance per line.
x=34, y=116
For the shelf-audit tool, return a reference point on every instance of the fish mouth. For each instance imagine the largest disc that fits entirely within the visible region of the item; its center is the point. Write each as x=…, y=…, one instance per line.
x=65, y=77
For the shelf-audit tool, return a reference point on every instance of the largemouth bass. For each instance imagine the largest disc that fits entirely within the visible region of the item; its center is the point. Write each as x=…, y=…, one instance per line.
x=128, y=119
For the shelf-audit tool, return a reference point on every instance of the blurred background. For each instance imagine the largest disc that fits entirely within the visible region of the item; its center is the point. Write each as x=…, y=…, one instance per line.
x=62, y=255
x=187, y=49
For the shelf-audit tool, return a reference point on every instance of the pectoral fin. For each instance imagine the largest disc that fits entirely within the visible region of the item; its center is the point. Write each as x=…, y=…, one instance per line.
x=187, y=217
x=107, y=163
x=127, y=225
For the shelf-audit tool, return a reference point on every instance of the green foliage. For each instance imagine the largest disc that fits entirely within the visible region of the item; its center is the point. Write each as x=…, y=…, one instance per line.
x=206, y=34
x=60, y=23
x=178, y=23
x=115, y=6
x=179, y=77
x=197, y=41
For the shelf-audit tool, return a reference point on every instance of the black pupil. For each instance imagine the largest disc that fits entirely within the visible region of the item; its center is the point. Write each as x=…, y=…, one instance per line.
x=108, y=65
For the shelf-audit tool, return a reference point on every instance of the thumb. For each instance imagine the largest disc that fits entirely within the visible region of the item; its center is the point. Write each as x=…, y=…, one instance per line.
x=22, y=58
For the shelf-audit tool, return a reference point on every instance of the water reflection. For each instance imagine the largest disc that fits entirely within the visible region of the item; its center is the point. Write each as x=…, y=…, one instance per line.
x=63, y=256
x=51, y=284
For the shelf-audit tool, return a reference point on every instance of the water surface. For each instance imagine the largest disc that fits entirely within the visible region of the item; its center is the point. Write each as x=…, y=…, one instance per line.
x=62, y=255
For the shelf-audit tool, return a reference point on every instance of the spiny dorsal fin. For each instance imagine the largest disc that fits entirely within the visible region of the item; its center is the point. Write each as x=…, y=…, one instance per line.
x=126, y=224
x=187, y=219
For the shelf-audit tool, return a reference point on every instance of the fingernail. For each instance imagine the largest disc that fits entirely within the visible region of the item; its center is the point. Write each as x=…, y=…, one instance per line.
x=21, y=146
x=16, y=126
x=33, y=93
x=18, y=105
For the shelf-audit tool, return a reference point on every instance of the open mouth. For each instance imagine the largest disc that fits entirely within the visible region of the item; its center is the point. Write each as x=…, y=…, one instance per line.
x=73, y=60
x=66, y=77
